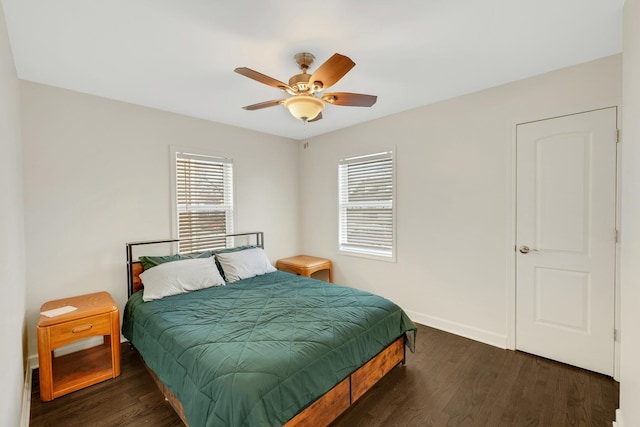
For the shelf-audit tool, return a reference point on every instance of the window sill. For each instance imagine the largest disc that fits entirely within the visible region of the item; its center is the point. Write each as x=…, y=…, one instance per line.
x=367, y=255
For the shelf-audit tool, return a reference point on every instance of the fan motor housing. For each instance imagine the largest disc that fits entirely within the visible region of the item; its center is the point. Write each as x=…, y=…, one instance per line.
x=300, y=81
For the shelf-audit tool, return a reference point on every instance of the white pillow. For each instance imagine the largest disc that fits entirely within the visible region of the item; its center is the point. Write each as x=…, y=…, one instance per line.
x=244, y=264
x=178, y=277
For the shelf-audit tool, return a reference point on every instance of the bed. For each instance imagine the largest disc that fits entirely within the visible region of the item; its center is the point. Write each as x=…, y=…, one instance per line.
x=272, y=349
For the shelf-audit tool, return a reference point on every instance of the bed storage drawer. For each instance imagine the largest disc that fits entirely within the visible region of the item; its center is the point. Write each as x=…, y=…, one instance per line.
x=371, y=372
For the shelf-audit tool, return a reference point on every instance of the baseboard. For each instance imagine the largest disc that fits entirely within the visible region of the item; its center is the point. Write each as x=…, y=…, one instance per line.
x=618, y=422
x=466, y=331
x=32, y=362
x=25, y=416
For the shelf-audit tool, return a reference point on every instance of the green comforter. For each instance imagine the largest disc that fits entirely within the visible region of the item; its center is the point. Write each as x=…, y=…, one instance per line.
x=258, y=351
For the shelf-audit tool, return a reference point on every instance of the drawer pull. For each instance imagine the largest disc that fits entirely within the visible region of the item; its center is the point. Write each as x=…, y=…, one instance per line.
x=82, y=328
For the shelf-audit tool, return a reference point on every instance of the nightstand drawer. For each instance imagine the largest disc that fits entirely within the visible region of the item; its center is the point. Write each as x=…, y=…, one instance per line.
x=78, y=329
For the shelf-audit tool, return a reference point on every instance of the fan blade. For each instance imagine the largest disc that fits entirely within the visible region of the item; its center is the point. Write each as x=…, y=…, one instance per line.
x=265, y=104
x=316, y=118
x=350, y=99
x=332, y=70
x=259, y=77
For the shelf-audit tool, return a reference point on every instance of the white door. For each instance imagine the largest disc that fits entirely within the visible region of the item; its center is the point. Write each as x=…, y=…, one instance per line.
x=565, y=239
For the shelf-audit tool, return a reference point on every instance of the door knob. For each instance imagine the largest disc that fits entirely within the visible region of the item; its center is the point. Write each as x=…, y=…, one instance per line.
x=526, y=249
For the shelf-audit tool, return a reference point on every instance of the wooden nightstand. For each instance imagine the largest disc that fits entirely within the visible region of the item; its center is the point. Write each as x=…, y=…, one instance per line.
x=305, y=265
x=96, y=315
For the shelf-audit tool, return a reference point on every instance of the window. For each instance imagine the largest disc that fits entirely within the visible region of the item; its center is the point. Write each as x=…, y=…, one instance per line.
x=204, y=201
x=366, y=199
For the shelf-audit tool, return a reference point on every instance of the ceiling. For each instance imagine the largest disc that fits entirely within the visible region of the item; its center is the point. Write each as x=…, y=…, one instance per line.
x=179, y=55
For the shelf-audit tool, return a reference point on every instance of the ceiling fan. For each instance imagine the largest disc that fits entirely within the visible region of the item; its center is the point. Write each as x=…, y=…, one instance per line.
x=304, y=104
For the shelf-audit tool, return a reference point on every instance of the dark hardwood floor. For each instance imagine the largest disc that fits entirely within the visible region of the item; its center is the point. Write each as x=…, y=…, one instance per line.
x=449, y=381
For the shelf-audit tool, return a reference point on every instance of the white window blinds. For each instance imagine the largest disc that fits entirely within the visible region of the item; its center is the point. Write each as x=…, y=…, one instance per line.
x=204, y=201
x=366, y=212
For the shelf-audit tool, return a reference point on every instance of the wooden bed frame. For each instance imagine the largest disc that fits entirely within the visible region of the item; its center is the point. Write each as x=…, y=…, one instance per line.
x=333, y=403
x=327, y=407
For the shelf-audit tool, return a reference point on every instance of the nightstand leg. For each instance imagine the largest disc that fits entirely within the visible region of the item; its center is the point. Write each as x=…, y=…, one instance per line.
x=115, y=343
x=45, y=360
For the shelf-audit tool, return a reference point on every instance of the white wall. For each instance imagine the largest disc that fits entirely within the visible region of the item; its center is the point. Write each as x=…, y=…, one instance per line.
x=454, y=196
x=12, y=258
x=96, y=175
x=629, y=413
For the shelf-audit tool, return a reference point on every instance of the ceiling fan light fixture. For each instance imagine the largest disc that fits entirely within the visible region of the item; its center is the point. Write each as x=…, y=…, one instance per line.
x=303, y=107
x=305, y=102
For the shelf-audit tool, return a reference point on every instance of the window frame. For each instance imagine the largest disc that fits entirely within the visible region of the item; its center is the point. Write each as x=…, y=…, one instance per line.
x=345, y=248
x=204, y=154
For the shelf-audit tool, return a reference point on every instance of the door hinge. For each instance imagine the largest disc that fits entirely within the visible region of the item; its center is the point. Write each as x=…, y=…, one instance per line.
x=617, y=236
x=617, y=136
x=615, y=335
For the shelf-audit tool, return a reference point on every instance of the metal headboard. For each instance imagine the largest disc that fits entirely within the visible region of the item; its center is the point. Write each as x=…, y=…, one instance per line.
x=259, y=236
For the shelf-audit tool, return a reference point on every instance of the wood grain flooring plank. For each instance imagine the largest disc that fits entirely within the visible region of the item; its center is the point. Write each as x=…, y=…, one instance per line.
x=449, y=381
